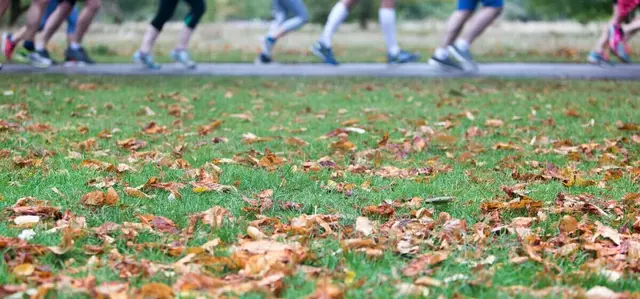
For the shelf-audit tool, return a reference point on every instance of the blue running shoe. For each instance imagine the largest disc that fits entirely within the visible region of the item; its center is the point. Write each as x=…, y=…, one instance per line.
x=325, y=53
x=146, y=60
x=618, y=45
x=403, y=57
x=447, y=64
x=598, y=59
x=182, y=56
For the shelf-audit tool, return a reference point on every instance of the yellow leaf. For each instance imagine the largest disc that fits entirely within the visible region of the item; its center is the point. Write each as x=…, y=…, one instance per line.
x=24, y=269
x=349, y=276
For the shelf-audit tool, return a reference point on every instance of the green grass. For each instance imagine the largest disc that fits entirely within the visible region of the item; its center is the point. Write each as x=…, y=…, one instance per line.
x=282, y=108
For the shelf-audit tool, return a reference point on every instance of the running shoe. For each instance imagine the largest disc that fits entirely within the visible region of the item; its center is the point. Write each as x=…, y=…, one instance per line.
x=447, y=64
x=45, y=53
x=182, y=56
x=35, y=59
x=617, y=44
x=264, y=59
x=403, y=57
x=146, y=60
x=598, y=59
x=0, y=66
x=464, y=57
x=8, y=46
x=267, y=45
x=325, y=53
x=77, y=57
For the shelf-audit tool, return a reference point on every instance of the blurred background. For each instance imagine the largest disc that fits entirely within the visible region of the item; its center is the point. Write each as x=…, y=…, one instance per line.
x=529, y=30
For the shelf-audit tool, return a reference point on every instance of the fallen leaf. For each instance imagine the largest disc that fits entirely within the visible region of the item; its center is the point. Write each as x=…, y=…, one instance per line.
x=418, y=265
x=23, y=270
x=364, y=226
x=154, y=291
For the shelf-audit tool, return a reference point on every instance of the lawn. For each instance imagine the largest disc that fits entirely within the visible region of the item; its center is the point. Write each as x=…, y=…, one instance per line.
x=318, y=187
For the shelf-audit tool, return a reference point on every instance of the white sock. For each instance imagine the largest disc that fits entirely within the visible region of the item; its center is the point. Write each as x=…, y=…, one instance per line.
x=441, y=53
x=387, y=18
x=338, y=14
x=463, y=45
x=75, y=46
x=39, y=45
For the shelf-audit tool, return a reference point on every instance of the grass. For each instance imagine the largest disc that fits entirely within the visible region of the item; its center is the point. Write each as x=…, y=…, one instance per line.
x=583, y=112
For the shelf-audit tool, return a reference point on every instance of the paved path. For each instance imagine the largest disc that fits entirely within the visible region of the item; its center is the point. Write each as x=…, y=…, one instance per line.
x=507, y=70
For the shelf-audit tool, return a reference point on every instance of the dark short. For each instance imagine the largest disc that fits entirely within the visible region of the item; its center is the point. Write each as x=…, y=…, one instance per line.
x=473, y=4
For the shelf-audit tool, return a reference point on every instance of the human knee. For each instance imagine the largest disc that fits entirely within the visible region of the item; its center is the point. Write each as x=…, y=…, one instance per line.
x=350, y=3
x=93, y=4
x=198, y=8
x=303, y=16
x=388, y=3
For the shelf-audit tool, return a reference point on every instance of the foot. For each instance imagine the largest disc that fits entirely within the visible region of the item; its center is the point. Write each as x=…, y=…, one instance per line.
x=77, y=56
x=325, y=53
x=146, y=60
x=182, y=56
x=403, y=57
x=447, y=64
x=35, y=59
x=464, y=57
x=8, y=46
x=267, y=45
x=45, y=53
x=617, y=44
x=264, y=59
x=598, y=59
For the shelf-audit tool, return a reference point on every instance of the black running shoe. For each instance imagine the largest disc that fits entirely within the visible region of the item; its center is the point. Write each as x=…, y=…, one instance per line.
x=78, y=56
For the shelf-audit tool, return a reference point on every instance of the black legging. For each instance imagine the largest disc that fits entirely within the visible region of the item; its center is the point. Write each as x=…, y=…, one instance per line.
x=168, y=7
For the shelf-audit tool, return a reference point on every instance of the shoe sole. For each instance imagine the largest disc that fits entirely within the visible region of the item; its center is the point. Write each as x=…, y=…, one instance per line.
x=321, y=56
x=467, y=65
x=444, y=68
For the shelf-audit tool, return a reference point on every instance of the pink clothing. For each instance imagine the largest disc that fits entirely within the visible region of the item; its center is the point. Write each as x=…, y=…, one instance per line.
x=625, y=7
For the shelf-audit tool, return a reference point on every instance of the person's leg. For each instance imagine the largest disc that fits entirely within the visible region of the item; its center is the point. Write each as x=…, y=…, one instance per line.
x=279, y=12
x=617, y=41
x=282, y=27
x=481, y=21
x=34, y=15
x=632, y=28
x=88, y=13
x=198, y=8
x=301, y=17
x=387, y=18
x=455, y=24
x=598, y=53
x=165, y=11
x=180, y=53
x=53, y=24
x=4, y=6
x=72, y=21
x=338, y=14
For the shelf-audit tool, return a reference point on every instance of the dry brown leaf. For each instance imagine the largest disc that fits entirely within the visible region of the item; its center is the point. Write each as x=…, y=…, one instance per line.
x=155, y=291
x=420, y=263
x=364, y=226
x=133, y=192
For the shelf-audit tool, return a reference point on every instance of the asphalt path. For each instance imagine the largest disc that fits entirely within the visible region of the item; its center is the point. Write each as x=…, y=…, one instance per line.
x=418, y=70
